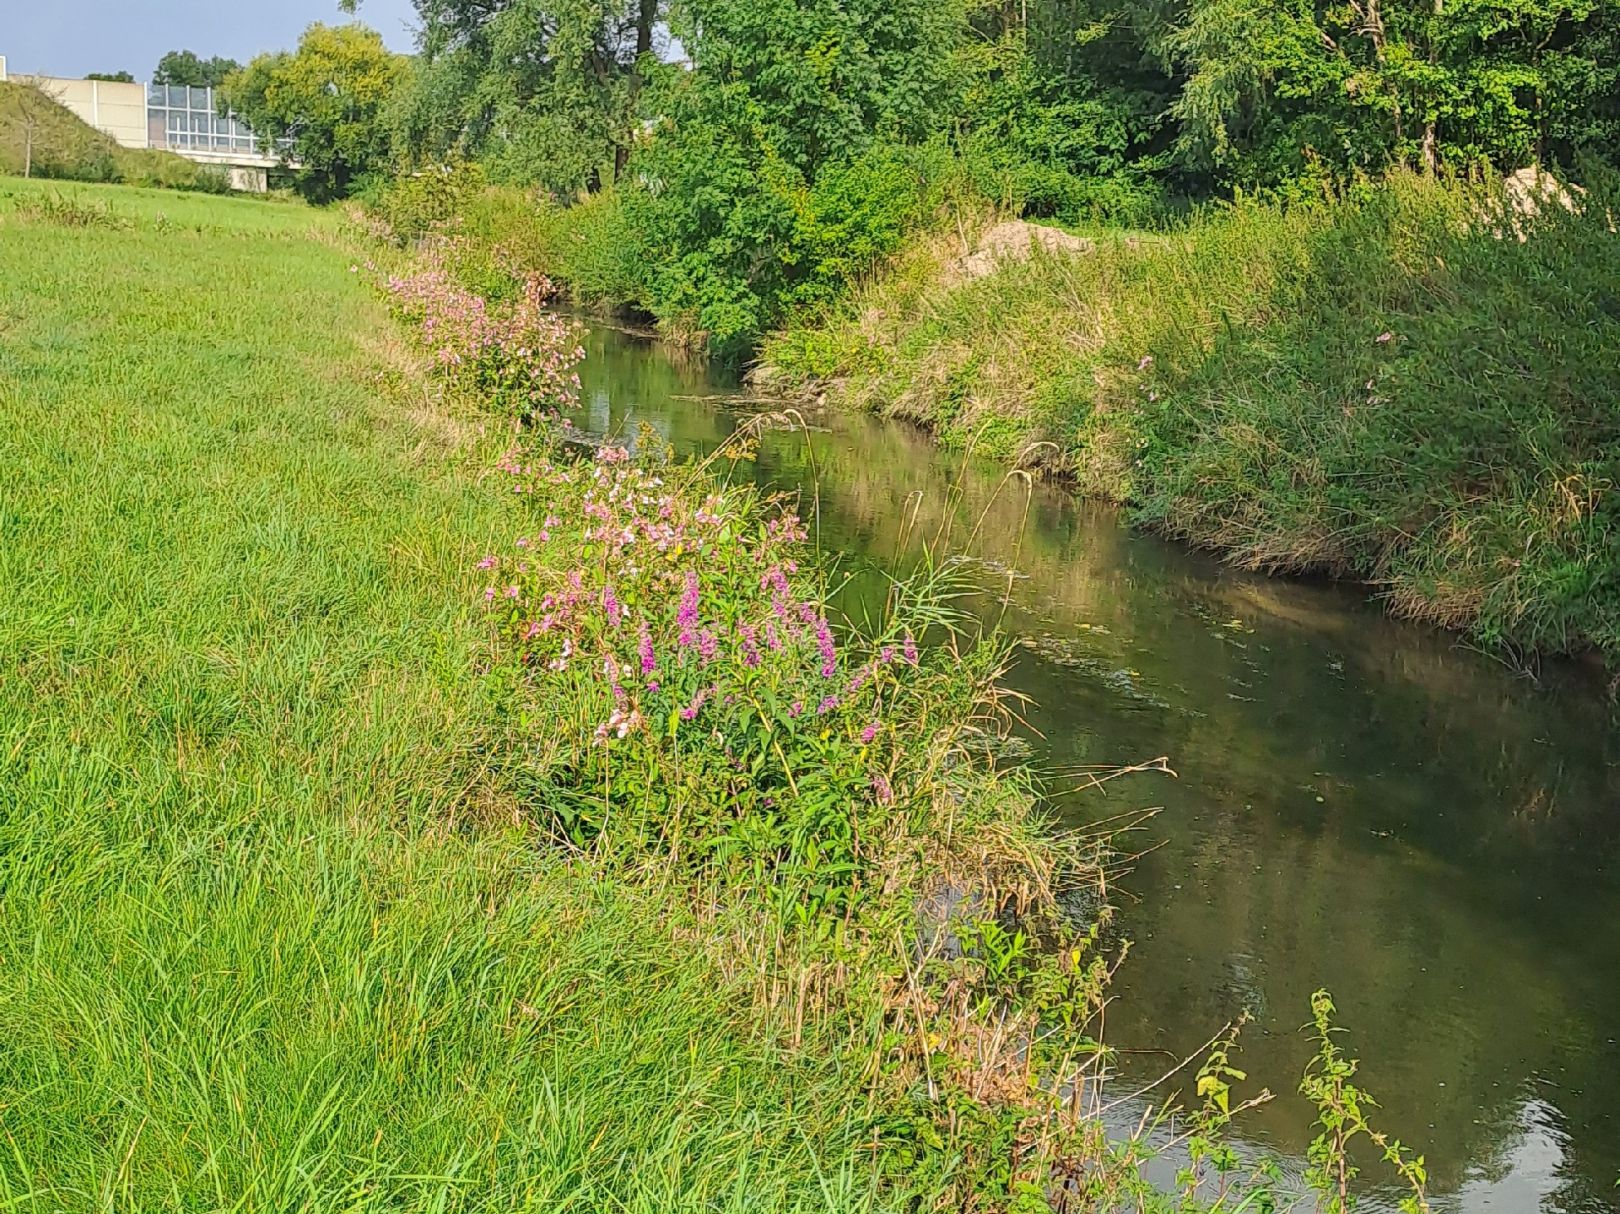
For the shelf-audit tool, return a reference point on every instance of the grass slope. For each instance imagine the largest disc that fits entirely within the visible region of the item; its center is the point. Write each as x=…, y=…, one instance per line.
x=1379, y=388
x=250, y=959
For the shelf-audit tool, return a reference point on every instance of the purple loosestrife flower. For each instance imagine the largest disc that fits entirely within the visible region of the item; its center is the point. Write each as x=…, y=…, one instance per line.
x=910, y=650
x=870, y=732
x=824, y=646
x=649, y=660
x=796, y=708
x=610, y=606
x=708, y=645
x=880, y=786
x=687, y=616
x=826, y=706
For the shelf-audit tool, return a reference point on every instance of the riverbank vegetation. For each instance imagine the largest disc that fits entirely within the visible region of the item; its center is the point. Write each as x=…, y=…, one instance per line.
x=381, y=834
x=1381, y=387
x=744, y=161
x=1353, y=363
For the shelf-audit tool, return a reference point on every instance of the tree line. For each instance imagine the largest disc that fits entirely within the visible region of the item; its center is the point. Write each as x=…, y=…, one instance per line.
x=774, y=143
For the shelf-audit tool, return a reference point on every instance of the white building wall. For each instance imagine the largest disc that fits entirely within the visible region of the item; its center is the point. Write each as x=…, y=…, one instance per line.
x=110, y=106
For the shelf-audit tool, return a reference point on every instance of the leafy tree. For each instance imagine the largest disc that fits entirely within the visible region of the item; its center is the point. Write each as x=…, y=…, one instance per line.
x=29, y=116
x=1062, y=109
x=114, y=77
x=1297, y=88
x=757, y=168
x=327, y=99
x=187, y=67
x=545, y=91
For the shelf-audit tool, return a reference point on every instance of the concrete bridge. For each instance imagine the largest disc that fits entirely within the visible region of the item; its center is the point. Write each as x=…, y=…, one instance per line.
x=174, y=117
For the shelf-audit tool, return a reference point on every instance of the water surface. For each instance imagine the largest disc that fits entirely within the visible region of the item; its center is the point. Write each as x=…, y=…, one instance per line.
x=1359, y=803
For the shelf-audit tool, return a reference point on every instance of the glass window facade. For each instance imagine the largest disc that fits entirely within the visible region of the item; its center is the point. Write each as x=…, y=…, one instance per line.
x=182, y=118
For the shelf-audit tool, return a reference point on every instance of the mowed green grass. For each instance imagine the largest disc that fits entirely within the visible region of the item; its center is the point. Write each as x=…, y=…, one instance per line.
x=270, y=936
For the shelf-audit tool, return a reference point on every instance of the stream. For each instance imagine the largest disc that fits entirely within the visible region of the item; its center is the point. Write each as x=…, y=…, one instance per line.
x=1360, y=803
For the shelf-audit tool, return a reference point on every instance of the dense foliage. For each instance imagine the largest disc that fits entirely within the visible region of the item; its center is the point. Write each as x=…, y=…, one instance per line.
x=188, y=67
x=1277, y=93
x=325, y=100
x=747, y=159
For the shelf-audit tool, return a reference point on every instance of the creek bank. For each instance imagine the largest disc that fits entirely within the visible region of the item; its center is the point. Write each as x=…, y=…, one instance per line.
x=1376, y=388
x=682, y=702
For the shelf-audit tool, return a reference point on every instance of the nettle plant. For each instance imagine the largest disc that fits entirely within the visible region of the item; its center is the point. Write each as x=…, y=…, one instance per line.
x=515, y=353
x=679, y=680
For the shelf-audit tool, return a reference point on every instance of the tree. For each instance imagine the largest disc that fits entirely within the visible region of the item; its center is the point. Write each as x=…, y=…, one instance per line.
x=187, y=67
x=327, y=100
x=773, y=147
x=1302, y=87
x=545, y=91
x=30, y=105
x=114, y=77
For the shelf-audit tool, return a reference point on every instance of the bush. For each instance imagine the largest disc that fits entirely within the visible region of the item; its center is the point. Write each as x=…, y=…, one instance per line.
x=679, y=676
x=426, y=201
x=740, y=239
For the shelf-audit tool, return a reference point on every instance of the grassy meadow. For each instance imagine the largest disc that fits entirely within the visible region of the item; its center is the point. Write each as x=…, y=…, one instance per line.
x=271, y=937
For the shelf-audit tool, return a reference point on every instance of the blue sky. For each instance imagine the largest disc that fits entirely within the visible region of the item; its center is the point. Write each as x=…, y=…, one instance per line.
x=72, y=37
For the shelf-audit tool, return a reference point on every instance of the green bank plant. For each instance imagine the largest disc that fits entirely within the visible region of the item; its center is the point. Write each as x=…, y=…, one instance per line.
x=1329, y=1084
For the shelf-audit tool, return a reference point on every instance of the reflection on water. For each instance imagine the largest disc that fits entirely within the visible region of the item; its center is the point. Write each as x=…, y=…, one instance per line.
x=1361, y=804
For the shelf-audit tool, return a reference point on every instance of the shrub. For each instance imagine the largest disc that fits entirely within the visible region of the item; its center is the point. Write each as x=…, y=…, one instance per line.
x=423, y=202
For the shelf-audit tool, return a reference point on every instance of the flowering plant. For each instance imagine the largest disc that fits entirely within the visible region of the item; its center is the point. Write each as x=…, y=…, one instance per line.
x=516, y=353
x=677, y=670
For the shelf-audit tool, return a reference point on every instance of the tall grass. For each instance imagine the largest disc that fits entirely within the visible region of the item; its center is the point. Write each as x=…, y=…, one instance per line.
x=1380, y=387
